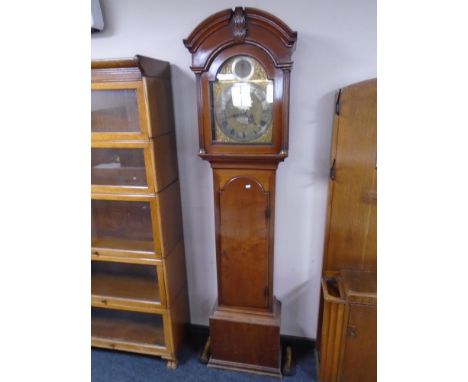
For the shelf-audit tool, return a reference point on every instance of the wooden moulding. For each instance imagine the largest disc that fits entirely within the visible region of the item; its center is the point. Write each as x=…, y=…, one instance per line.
x=223, y=29
x=121, y=69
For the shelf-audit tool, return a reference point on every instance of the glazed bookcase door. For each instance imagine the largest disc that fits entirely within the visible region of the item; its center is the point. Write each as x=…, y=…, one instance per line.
x=244, y=230
x=128, y=286
x=129, y=331
x=124, y=227
x=118, y=111
x=122, y=167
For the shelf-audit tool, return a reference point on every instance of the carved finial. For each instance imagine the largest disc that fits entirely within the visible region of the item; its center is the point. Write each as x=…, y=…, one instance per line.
x=239, y=24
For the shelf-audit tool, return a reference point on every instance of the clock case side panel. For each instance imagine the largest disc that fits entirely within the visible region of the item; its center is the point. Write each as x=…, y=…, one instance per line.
x=274, y=74
x=266, y=180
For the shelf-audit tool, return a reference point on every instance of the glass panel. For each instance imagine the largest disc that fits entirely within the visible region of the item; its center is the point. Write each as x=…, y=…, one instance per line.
x=242, y=99
x=121, y=225
x=120, y=326
x=114, y=111
x=127, y=281
x=118, y=167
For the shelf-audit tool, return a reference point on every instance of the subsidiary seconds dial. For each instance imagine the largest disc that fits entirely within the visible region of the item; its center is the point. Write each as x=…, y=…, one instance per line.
x=243, y=111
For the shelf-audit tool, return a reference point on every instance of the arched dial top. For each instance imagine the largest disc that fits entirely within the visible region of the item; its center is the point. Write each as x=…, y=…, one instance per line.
x=242, y=98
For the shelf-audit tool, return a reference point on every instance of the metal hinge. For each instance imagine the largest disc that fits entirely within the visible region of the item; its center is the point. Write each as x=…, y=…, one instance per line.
x=337, y=104
x=333, y=170
x=351, y=331
x=266, y=293
x=267, y=213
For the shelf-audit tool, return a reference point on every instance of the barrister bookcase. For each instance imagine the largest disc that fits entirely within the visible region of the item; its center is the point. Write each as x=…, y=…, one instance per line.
x=138, y=277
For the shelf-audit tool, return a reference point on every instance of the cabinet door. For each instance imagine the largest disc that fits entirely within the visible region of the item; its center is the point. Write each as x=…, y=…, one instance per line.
x=122, y=167
x=118, y=285
x=352, y=210
x=118, y=111
x=360, y=348
x=243, y=256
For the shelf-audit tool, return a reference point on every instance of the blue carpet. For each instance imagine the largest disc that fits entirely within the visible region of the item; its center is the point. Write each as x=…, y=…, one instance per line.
x=115, y=366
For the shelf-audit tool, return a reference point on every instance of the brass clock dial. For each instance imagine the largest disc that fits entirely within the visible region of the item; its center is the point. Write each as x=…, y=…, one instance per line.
x=247, y=120
x=242, y=102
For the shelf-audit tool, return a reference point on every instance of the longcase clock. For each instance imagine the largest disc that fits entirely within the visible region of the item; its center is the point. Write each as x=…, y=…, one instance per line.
x=242, y=62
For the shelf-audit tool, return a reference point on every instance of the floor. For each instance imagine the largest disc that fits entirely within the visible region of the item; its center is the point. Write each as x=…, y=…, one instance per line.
x=115, y=366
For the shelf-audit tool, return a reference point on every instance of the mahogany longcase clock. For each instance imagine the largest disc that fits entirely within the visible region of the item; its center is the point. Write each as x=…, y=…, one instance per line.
x=242, y=62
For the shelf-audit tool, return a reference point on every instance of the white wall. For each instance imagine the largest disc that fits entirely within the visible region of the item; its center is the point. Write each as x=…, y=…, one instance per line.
x=336, y=47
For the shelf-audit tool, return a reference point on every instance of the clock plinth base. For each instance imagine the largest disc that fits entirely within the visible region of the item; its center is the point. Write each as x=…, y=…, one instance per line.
x=245, y=341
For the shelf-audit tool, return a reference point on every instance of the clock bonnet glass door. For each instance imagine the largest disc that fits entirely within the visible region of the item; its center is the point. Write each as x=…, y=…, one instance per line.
x=242, y=99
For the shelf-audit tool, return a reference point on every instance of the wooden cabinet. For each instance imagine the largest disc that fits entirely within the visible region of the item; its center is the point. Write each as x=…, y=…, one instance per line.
x=348, y=349
x=138, y=280
x=346, y=337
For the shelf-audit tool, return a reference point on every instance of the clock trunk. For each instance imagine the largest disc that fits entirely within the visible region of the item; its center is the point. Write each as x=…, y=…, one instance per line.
x=244, y=227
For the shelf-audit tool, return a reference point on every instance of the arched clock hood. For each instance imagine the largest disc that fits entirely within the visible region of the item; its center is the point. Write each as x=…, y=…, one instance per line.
x=241, y=26
x=243, y=31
